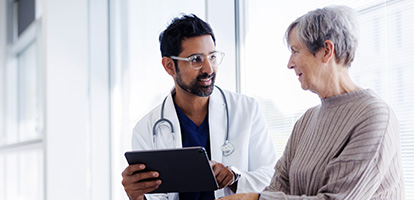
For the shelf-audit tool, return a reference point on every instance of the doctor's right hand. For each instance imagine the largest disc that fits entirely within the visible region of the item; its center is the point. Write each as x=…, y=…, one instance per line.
x=135, y=185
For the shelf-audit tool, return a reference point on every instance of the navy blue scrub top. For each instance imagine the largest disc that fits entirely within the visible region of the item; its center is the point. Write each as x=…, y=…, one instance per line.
x=192, y=135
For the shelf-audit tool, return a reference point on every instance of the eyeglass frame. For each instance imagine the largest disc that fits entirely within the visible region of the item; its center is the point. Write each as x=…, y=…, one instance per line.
x=204, y=57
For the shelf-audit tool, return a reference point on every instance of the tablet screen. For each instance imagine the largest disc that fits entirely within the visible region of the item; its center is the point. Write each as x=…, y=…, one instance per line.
x=181, y=170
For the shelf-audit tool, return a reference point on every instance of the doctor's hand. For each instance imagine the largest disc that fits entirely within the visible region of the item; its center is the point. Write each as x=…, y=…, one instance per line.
x=242, y=196
x=135, y=185
x=224, y=175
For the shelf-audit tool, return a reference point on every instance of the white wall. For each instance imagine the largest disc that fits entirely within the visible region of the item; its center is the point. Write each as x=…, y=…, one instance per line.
x=66, y=61
x=99, y=101
x=77, y=100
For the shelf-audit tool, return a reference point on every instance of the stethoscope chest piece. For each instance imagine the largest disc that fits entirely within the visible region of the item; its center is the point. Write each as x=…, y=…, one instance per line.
x=227, y=148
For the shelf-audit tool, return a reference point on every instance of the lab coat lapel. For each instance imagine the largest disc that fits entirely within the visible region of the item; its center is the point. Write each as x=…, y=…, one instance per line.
x=170, y=113
x=217, y=124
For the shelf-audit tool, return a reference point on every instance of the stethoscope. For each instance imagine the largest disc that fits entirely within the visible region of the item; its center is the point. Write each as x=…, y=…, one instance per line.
x=227, y=148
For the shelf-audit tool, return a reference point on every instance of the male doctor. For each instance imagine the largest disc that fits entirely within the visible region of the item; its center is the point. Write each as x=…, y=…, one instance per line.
x=197, y=111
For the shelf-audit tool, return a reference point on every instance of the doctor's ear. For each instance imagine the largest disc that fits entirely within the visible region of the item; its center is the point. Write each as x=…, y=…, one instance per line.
x=169, y=65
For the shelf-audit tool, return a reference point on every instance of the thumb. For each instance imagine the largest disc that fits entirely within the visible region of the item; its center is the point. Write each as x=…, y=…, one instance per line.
x=212, y=162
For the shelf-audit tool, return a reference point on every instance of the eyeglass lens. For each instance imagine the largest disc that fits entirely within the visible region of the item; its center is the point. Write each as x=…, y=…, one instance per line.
x=214, y=59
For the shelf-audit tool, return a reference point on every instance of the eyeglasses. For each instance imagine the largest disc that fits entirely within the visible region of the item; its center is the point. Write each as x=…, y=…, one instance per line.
x=197, y=61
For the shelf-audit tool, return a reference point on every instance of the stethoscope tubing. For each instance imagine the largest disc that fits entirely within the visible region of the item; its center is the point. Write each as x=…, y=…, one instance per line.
x=227, y=147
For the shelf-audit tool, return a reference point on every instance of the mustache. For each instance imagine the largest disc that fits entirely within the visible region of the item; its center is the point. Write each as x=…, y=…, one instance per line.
x=205, y=75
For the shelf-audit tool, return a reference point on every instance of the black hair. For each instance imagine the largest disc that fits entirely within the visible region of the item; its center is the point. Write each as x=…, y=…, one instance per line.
x=181, y=28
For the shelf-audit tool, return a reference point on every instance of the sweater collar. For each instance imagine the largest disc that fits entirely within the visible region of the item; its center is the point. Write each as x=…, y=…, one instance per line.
x=345, y=98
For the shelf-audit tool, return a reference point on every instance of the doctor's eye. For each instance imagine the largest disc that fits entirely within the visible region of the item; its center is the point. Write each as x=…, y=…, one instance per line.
x=196, y=59
x=212, y=57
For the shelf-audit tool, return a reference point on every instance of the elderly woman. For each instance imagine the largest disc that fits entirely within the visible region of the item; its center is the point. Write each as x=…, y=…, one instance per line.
x=348, y=146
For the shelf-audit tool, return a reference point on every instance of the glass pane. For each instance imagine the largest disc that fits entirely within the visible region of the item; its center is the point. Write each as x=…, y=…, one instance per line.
x=11, y=103
x=31, y=175
x=23, y=173
x=12, y=176
x=2, y=177
x=29, y=115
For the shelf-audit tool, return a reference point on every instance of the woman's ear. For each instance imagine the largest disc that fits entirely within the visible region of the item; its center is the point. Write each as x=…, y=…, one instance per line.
x=169, y=65
x=328, y=51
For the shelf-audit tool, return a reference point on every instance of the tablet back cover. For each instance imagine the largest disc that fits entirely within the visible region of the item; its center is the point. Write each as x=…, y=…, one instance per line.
x=181, y=170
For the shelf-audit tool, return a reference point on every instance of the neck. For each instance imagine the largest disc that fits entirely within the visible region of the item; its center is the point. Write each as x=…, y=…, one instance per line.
x=193, y=106
x=338, y=82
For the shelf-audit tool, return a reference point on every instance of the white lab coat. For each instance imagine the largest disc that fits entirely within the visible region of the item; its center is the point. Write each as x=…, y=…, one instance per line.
x=254, y=154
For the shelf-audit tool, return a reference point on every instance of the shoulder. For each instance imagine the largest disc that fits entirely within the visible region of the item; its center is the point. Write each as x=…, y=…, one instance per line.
x=148, y=119
x=371, y=116
x=308, y=114
x=240, y=99
x=370, y=105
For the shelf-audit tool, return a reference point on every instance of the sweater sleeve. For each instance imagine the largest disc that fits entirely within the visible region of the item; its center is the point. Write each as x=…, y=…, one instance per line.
x=369, y=161
x=280, y=180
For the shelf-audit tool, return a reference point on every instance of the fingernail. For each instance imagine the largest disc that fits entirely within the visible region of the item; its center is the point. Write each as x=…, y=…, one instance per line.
x=142, y=166
x=155, y=174
x=158, y=182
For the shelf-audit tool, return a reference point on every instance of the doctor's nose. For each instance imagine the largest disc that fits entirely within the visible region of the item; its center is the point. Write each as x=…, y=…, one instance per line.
x=207, y=67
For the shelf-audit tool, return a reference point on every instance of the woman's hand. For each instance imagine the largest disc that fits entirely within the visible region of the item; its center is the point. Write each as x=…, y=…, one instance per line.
x=242, y=196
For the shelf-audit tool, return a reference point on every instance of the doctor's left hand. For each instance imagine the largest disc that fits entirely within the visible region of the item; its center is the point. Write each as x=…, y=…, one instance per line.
x=224, y=175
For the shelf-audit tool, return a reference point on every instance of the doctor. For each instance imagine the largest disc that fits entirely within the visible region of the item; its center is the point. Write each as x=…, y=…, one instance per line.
x=197, y=113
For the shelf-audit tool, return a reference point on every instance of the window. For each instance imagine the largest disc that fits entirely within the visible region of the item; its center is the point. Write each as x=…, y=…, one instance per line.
x=383, y=63
x=21, y=136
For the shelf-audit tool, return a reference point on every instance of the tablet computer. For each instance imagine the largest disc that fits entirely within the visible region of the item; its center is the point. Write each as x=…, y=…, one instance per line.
x=180, y=170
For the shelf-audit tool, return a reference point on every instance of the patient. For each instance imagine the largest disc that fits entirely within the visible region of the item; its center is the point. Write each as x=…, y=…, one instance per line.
x=348, y=147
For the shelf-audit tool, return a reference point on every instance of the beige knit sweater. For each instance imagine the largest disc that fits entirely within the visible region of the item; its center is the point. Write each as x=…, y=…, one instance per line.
x=346, y=148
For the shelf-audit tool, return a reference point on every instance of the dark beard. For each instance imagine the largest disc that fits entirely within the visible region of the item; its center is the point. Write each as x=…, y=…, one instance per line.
x=194, y=87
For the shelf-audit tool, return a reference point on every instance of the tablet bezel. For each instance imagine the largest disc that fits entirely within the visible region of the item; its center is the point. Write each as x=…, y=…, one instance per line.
x=181, y=170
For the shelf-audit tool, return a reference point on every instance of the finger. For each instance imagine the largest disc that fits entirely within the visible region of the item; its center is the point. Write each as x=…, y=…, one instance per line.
x=144, y=186
x=150, y=189
x=145, y=175
x=224, y=178
x=131, y=169
x=217, y=168
x=212, y=162
x=139, y=189
x=225, y=182
x=127, y=180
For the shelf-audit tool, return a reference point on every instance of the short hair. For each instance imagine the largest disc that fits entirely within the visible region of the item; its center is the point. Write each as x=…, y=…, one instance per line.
x=181, y=28
x=336, y=23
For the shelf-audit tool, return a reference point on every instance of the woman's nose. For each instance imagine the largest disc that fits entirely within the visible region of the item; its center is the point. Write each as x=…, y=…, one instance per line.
x=290, y=64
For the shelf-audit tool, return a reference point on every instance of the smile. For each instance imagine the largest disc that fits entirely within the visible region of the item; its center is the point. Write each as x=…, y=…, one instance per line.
x=206, y=81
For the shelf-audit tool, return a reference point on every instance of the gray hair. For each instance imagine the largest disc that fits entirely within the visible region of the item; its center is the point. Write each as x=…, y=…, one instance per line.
x=336, y=23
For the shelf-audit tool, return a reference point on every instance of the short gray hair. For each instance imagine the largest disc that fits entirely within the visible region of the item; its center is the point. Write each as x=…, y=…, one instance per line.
x=336, y=23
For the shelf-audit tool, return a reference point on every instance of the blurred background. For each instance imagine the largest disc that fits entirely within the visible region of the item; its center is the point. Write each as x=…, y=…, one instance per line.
x=75, y=77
